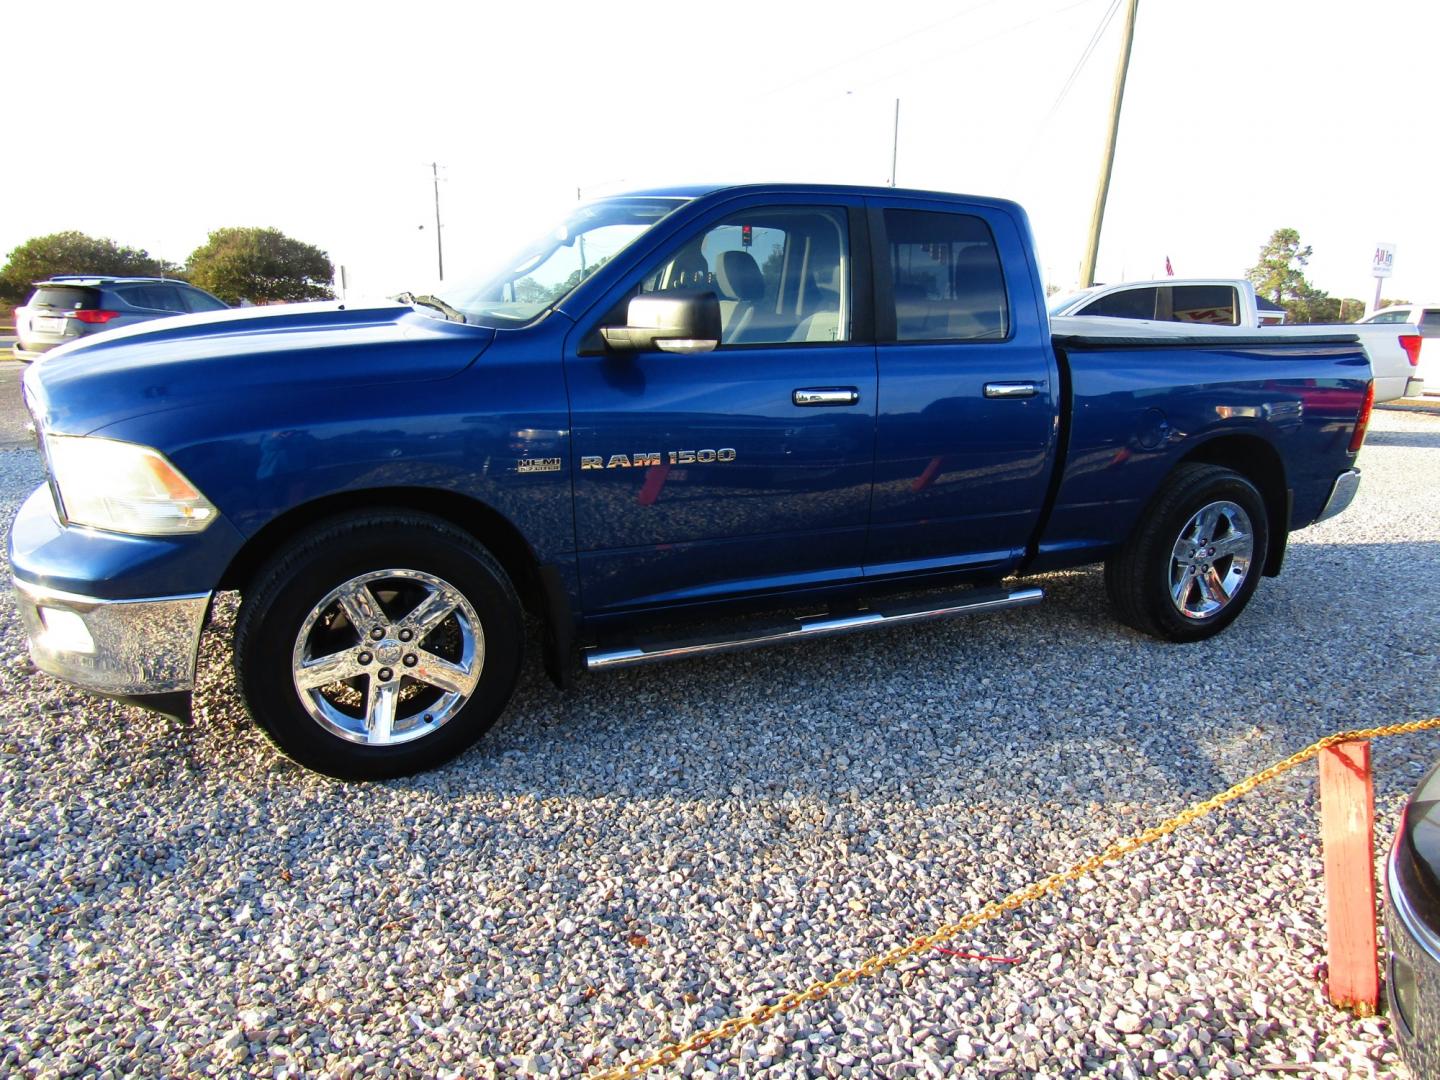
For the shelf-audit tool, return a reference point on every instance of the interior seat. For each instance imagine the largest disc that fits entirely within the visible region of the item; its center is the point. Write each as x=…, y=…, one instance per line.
x=741, y=286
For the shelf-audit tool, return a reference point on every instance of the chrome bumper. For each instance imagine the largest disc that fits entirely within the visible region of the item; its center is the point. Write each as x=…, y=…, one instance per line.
x=1341, y=494
x=116, y=647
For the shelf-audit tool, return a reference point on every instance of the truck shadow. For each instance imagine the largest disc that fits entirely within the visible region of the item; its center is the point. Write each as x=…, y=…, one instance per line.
x=1050, y=704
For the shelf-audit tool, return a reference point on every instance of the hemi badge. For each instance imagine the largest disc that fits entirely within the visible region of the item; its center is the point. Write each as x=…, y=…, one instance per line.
x=539, y=464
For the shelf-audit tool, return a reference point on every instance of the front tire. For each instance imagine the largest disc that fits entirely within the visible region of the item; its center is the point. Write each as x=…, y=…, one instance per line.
x=1194, y=559
x=378, y=645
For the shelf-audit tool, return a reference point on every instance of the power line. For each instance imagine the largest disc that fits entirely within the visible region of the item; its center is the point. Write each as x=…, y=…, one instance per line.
x=846, y=61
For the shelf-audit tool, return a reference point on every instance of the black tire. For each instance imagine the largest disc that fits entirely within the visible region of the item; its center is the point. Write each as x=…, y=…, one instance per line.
x=1146, y=582
x=442, y=563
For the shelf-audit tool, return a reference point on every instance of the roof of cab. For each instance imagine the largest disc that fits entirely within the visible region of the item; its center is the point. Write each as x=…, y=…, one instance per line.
x=695, y=191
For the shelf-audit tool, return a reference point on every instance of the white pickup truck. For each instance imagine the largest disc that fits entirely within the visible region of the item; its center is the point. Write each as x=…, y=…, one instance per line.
x=1393, y=348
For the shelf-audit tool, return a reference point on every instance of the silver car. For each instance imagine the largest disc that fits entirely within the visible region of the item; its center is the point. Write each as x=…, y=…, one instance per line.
x=64, y=308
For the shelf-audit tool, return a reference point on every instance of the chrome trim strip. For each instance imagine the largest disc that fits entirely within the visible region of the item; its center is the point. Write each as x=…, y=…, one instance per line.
x=824, y=626
x=1404, y=913
x=1341, y=495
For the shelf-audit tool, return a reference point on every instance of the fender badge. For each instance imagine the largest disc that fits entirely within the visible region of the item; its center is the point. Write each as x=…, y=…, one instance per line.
x=541, y=464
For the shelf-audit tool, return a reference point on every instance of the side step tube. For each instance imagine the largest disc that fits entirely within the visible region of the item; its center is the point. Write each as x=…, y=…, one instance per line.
x=969, y=602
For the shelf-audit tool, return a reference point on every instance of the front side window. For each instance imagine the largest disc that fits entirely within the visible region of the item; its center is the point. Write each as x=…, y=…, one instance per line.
x=781, y=274
x=195, y=300
x=948, y=285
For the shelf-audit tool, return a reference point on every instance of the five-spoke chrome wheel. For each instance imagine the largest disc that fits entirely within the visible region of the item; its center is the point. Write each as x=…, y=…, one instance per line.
x=388, y=657
x=1211, y=559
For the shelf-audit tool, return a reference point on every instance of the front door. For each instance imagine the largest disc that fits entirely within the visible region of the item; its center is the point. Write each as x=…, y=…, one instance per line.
x=745, y=470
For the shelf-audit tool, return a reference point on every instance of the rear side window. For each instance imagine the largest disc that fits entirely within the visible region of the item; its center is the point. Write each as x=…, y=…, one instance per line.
x=1430, y=323
x=1126, y=304
x=1214, y=304
x=195, y=300
x=65, y=298
x=948, y=285
x=154, y=297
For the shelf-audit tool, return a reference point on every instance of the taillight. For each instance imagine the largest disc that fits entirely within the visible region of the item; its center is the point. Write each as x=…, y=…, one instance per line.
x=1363, y=420
x=1411, y=344
x=94, y=316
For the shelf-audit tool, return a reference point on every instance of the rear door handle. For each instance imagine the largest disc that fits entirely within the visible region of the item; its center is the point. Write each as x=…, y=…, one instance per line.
x=1010, y=389
x=826, y=395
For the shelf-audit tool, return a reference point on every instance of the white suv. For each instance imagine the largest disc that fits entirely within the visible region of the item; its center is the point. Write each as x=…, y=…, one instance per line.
x=1426, y=357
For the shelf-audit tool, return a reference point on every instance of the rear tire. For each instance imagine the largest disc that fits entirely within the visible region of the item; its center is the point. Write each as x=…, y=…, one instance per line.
x=1195, y=558
x=378, y=645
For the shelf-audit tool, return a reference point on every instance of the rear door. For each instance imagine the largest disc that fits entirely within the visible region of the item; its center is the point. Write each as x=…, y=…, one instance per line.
x=745, y=470
x=52, y=314
x=966, y=424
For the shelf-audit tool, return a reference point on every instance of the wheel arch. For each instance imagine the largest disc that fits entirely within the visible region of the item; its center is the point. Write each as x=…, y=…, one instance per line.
x=1259, y=462
x=483, y=522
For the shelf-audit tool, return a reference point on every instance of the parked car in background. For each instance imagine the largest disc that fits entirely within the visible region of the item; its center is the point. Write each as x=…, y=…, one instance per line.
x=1426, y=318
x=1412, y=929
x=1393, y=349
x=72, y=306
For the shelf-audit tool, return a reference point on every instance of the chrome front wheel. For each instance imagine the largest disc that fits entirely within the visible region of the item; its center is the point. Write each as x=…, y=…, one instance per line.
x=388, y=657
x=378, y=644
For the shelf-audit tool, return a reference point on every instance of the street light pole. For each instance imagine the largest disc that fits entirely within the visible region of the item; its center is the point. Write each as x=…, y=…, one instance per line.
x=439, y=247
x=1097, y=218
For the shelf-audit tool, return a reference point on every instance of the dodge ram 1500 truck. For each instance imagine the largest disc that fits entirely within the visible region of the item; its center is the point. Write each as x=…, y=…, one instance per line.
x=674, y=412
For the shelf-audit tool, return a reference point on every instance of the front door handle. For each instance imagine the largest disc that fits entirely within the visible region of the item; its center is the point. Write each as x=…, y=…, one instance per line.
x=1010, y=389
x=826, y=395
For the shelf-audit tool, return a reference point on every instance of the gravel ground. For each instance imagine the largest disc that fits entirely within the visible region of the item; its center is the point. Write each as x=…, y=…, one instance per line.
x=669, y=845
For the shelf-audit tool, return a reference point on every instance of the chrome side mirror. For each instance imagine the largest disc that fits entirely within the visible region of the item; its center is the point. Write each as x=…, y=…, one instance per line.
x=677, y=322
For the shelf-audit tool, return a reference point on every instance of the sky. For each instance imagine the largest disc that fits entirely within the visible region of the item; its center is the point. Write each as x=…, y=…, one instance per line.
x=322, y=119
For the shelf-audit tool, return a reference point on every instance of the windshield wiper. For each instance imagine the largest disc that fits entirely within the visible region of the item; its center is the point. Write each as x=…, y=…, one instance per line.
x=451, y=314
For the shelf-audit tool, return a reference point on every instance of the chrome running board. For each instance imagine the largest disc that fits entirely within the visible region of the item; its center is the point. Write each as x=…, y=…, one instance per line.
x=966, y=602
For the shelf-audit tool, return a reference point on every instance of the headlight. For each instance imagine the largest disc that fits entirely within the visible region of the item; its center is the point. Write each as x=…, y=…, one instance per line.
x=124, y=487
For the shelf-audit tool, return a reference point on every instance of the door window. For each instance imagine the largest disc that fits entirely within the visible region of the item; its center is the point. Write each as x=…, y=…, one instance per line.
x=1126, y=304
x=948, y=285
x=1214, y=304
x=781, y=275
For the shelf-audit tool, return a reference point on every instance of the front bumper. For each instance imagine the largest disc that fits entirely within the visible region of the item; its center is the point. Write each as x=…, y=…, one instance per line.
x=1412, y=977
x=1342, y=494
x=133, y=649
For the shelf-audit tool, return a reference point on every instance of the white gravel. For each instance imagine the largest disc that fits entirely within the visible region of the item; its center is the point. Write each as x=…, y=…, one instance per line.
x=667, y=846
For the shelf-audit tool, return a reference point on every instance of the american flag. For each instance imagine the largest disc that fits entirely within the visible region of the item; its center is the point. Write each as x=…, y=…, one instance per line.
x=1169, y=270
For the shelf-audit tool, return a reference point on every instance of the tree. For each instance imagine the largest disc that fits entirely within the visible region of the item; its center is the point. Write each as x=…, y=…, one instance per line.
x=74, y=253
x=1279, y=275
x=260, y=265
x=1385, y=302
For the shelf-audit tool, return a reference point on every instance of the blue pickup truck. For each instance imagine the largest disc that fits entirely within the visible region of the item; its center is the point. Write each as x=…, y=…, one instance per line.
x=681, y=421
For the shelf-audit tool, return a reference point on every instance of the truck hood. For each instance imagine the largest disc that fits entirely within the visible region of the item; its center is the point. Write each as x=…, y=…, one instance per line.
x=272, y=351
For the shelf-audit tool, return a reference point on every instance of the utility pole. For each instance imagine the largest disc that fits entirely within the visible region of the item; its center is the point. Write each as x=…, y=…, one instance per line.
x=895, y=142
x=1097, y=218
x=439, y=247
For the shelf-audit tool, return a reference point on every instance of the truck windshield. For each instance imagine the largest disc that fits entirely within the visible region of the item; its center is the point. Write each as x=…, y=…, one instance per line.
x=544, y=272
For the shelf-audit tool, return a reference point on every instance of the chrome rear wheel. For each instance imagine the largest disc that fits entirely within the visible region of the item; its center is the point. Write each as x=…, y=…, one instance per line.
x=1211, y=559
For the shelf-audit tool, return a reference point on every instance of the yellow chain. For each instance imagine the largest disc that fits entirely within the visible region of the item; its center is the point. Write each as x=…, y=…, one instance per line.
x=871, y=967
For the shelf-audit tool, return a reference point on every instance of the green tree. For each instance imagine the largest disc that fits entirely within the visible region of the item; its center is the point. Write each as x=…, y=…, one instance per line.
x=1279, y=275
x=73, y=253
x=1385, y=302
x=260, y=265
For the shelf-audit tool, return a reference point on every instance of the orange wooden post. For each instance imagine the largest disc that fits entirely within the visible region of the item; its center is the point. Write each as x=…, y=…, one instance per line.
x=1347, y=827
